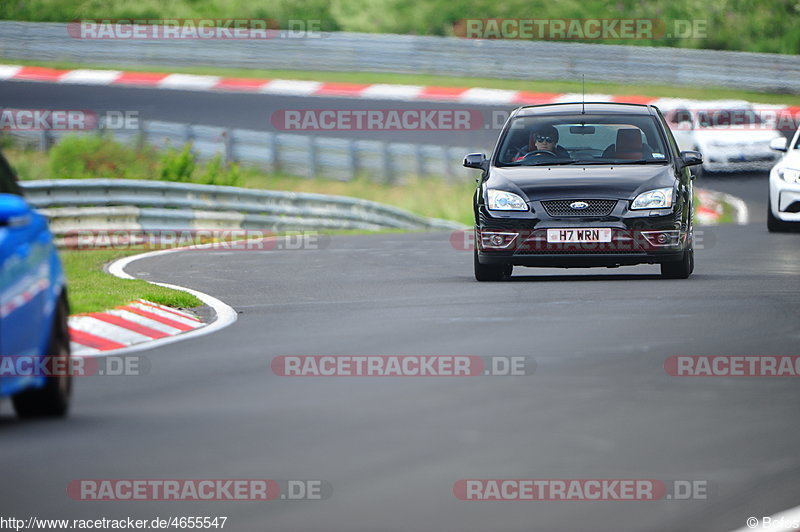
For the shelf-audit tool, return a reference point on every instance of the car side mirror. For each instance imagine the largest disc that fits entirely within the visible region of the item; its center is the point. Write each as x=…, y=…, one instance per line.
x=691, y=158
x=778, y=144
x=476, y=160
x=14, y=210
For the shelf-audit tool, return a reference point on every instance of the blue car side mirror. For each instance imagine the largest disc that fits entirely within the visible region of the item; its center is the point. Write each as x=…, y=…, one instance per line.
x=14, y=210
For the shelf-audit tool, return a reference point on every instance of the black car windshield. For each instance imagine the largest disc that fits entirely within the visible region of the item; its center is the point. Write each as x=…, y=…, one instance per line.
x=545, y=140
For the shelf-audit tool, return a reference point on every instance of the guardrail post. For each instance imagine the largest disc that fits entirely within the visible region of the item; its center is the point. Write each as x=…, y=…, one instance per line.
x=141, y=135
x=227, y=141
x=312, y=156
x=352, y=151
x=45, y=140
x=448, y=166
x=388, y=174
x=188, y=133
x=420, y=160
x=274, y=146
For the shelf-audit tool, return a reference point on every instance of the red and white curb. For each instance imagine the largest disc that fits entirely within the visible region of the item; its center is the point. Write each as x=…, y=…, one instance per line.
x=710, y=207
x=141, y=324
x=381, y=91
x=137, y=322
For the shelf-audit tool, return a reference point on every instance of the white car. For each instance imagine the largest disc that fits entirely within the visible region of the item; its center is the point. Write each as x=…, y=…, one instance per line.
x=784, y=186
x=731, y=134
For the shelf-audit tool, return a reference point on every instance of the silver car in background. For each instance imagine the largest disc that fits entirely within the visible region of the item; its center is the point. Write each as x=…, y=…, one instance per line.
x=783, y=213
x=732, y=135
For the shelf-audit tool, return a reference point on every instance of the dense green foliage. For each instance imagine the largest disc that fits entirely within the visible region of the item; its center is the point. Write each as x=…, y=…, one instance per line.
x=751, y=25
x=88, y=156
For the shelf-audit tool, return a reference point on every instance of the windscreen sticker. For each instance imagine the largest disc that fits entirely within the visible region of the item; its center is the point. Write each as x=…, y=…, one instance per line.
x=658, y=155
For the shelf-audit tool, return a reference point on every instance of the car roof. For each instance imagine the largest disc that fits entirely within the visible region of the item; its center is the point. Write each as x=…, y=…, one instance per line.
x=589, y=107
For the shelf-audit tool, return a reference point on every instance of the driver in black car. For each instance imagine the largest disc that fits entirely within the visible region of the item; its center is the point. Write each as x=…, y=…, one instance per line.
x=544, y=139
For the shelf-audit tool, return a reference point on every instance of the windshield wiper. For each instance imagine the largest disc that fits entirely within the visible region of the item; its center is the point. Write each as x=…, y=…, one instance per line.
x=590, y=163
x=542, y=163
x=618, y=162
x=641, y=161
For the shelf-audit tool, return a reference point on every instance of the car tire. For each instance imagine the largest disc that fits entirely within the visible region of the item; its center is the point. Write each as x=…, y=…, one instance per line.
x=679, y=269
x=52, y=399
x=491, y=272
x=774, y=224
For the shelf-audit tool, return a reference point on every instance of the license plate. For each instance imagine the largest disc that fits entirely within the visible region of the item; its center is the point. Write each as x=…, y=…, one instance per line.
x=602, y=234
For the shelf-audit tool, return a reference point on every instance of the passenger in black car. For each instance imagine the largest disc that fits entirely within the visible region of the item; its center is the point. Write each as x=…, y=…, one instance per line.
x=629, y=145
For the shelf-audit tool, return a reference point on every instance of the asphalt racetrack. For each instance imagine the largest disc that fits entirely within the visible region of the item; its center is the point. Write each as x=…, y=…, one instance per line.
x=245, y=111
x=599, y=405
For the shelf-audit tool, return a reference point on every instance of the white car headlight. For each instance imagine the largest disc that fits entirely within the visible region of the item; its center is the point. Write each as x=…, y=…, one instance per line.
x=660, y=198
x=790, y=175
x=500, y=200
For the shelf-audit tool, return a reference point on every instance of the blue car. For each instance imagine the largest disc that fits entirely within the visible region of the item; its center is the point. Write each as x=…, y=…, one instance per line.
x=34, y=336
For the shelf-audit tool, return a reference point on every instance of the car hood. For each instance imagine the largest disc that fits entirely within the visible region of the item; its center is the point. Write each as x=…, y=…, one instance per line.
x=581, y=182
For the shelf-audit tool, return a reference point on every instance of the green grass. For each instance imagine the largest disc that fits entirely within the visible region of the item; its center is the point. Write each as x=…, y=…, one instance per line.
x=91, y=289
x=430, y=197
x=656, y=91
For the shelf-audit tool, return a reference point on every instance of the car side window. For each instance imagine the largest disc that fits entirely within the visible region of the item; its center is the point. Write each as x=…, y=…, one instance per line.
x=670, y=138
x=8, y=181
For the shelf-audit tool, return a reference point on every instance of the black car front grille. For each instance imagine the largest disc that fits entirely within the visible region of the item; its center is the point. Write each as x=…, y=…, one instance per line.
x=594, y=207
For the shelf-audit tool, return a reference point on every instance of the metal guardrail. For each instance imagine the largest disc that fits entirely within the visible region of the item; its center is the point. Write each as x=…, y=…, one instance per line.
x=297, y=155
x=128, y=204
x=411, y=54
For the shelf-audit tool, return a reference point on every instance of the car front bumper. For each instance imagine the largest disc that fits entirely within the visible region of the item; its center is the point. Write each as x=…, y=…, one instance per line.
x=636, y=238
x=739, y=159
x=784, y=198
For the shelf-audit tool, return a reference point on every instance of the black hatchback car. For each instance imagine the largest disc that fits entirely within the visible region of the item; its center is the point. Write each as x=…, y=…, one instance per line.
x=582, y=185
